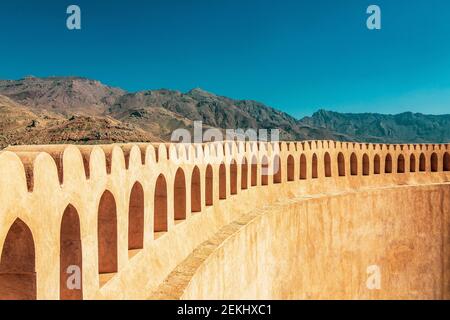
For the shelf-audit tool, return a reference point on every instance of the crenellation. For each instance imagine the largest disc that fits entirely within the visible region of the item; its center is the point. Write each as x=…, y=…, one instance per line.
x=39, y=183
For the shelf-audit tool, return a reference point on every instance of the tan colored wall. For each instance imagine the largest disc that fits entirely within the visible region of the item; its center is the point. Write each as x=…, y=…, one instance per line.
x=38, y=184
x=320, y=248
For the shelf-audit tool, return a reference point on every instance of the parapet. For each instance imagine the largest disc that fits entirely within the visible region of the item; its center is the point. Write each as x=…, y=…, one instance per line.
x=102, y=211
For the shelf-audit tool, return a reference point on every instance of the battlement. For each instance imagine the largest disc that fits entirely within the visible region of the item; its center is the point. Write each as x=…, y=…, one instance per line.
x=126, y=215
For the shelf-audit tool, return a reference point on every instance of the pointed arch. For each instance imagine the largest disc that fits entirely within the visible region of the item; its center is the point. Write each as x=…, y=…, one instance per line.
x=136, y=217
x=388, y=164
x=233, y=177
x=196, y=193
x=434, y=162
x=341, y=164
x=422, y=163
x=327, y=164
x=303, y=167
x=160, y=223
x=446, y=164
x=314, y=170
x=366, y=165
x=401, y=164
x=264, y=171
x=179, y=195
x=276, y=169
x=244, y=174
x=290, y=168
x=376, y=164
x=222, y=181
x=209, y=199
x=412, y=163
x=70, y=255
x=254, y=178
x=107, y=233
x=353, y=164
x=17, y=264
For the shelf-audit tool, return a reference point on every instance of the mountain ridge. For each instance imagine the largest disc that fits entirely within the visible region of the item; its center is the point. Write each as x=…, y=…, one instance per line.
x=405, y=127
x=83, y=110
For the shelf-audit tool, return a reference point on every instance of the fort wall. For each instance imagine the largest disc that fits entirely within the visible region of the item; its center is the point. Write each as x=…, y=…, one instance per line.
x=323, y=247
x=128, y=215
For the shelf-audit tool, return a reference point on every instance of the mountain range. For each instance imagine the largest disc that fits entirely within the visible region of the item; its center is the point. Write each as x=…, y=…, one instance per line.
x=79, y=111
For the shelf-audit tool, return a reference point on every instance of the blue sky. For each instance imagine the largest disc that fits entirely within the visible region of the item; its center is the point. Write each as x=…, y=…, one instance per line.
x=297, y=56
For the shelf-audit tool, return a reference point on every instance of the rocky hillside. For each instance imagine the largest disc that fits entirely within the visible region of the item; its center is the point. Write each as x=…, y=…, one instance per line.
x=66, y=95
x=162, y=111
x=21, y=125
x=405, y=127
x=78, y=110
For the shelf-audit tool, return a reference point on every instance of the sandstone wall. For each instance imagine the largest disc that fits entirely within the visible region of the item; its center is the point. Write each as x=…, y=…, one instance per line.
x=113, y=210
x=320, y=248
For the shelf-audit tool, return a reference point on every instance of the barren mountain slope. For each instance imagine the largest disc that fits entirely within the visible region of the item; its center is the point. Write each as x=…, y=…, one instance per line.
x=147, y=108
x=405, y=127
x=20, y=125
x=80, y=110
x=64, y=95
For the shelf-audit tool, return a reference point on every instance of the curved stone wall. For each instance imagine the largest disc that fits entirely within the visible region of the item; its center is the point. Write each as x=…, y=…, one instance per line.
x=125, y=218
x=326, y=247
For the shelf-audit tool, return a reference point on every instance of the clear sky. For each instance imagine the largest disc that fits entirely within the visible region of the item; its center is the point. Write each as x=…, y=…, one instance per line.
x=297, y=56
